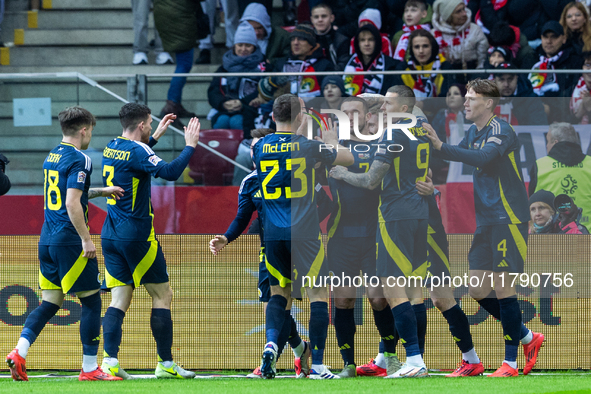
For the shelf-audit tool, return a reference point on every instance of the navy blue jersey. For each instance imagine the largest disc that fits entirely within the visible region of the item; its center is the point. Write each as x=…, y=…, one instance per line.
x=355, y=212
x=399, y=199
x=285, y=167
x=499, y=192
x=130, y=165
x=65, y=168
x=249, y=200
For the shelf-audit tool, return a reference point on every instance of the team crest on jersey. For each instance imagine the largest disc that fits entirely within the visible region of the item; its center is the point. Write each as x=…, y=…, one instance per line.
x=154, y=160
x=364, y=156
x=81, y=177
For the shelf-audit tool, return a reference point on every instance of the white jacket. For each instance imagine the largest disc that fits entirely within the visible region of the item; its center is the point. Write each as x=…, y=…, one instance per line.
x=473, y=46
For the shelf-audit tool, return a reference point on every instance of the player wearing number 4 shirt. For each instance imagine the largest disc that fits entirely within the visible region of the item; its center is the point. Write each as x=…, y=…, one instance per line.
x=285, y=167
x=67, y=255
x=499, y=245
x=133, y=256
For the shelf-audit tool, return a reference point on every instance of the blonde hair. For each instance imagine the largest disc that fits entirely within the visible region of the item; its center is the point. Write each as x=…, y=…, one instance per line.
x=586, y=29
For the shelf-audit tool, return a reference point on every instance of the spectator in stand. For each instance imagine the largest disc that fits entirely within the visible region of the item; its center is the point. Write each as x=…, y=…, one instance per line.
x=306, y=56
x=580, y=102
x=443, y=122
x=372, y=16
x=462, y=43
x=424, y=56
x=231, y=96
x=333, y=94
x=231, y=16
x=178, y=37
x=566, y=169
x=415, y=17
x=509, y=37
x=141, y=10
x=4, y=181
x=347, y=13
x=368, y=56
x=554, y=54
x=498, y=55
x=577, y=27
x=334, y=44
x=545, y=220
x=519, y=105
x=273, y=41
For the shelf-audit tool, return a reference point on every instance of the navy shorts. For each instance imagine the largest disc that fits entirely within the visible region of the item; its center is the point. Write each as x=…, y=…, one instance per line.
x=499, y=248
x=289, y=261
x=350, y=256
x=63, y=268
x=133, y=263
x=402, y=248
x=263, y=286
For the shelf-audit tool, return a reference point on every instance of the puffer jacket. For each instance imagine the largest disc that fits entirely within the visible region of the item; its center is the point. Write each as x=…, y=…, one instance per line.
x=181, y=35
x=470, y=48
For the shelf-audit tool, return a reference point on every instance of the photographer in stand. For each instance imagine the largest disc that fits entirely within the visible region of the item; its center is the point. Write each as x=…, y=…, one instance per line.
x=4, y=181
x=554, y=215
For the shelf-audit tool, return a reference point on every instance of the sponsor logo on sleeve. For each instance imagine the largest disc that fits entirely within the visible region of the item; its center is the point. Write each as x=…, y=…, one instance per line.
x=154, y=160
x=81, y=177
x=495, y=140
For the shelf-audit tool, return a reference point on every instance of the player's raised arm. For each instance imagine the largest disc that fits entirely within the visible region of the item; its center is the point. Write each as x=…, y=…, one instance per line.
x=163, y=126
x=330, y=138
x=173, y=170
x=76, y=215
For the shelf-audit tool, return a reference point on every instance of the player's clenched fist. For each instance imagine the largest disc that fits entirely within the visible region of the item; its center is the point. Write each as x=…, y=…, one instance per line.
x=192, y=132
x=217, y=244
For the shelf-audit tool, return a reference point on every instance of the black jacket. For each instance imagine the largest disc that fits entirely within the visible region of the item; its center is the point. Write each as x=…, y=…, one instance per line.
x=4, y=183
x=336, y=48
x=527, y=106
x=568, y=153
x=568, y=61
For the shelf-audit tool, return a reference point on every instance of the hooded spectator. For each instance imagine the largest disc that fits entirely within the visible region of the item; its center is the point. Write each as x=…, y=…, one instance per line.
x=374, y=17
x=509, y=37
x=334, y=44
x=347, y=13
x=368, y=56
x=580, y=102
x=230, y=96
x=462, y=43
x=554, y=54
x=519, y=105
x=529, y=15
x=424, y=56
x=577, y=27
x=272, y=41
x=566, y=169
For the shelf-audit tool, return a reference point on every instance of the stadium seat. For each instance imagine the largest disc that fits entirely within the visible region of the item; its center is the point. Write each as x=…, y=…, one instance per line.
x=208, y=169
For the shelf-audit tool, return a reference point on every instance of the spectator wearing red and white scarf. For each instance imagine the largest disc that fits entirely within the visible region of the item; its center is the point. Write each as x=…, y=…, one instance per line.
x=580, y=101
x=463, y=43
x=415, y=12
x=373, y=16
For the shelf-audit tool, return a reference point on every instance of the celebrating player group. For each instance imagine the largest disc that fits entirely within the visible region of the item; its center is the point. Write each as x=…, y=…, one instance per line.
x=384, y=222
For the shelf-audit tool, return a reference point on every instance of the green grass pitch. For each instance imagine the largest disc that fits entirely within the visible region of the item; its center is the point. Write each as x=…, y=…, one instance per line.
x=564, y=383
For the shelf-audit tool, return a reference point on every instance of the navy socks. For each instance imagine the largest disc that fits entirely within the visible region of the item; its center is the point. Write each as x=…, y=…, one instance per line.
x=90, y=324
x=406, y=325
x=511, y=321
x=112, y=332
x=275, y=317
x=318, y=330
x=344, y=325
x=459, y=328
x=421, y=315
x=385, y=324
x=161, y=325
x=37, y=320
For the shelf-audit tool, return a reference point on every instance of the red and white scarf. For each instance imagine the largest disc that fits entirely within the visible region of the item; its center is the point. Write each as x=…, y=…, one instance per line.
x=576, y=100
x=542, y=82
x=445, y=46
x=400, y=51
x=371, y=83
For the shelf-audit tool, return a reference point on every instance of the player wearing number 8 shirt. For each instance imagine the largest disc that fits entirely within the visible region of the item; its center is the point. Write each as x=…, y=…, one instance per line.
x=67, y=255
x=133, y=256
x=403, y=221
x=499, y=245
x=285, y=163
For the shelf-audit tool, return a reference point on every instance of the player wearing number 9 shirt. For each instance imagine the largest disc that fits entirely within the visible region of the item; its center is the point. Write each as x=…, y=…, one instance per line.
x=285, y=163
x=67, y=255
x=133, y=256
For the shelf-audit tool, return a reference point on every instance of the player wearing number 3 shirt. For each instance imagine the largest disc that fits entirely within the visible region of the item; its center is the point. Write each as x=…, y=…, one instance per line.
x=133, y=256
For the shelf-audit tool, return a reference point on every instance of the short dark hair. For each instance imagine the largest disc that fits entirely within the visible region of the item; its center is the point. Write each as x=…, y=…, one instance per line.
x=282, y=108
x=586, y=55
x=356, y=100
x=132, y=114
x=260, y=133
x=406, y=96
x=322, y=5
x=485, y=88
x=73, y=119
x=420, y=4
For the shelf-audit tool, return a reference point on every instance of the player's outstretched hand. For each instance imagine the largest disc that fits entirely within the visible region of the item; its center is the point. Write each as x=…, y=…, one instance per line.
x=425, y=188
x=338, y=172
x=329, y=134
x=192, y=132
x=114, y=192
x=432, y=135
x=217, y=244
x=89, y=249
x=163, y=126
